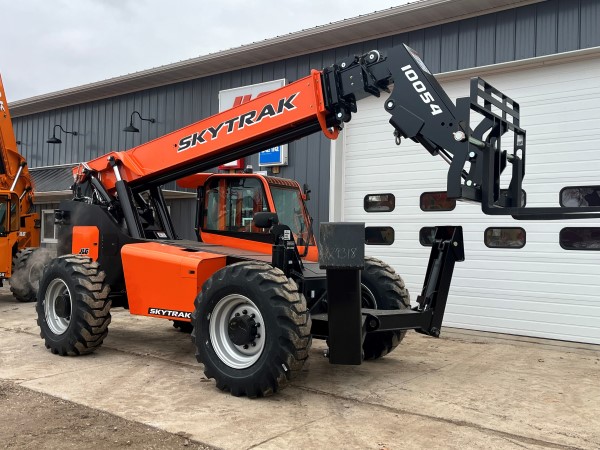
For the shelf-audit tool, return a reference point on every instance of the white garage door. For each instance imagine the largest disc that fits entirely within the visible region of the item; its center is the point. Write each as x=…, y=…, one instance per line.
x=539, y=290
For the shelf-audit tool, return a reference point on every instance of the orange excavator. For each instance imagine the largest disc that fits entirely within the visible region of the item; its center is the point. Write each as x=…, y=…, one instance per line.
x=21, y=260
x=255, y=288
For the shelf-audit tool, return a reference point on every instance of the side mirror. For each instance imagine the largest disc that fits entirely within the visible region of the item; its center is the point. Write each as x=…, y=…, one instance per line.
x=306, y=192
x=265, y=219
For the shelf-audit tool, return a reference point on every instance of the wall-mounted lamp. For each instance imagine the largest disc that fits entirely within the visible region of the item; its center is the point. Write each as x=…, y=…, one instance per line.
x=54, y=139
x=131, y=128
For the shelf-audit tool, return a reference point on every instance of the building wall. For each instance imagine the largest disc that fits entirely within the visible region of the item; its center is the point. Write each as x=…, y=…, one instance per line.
x=540, y=29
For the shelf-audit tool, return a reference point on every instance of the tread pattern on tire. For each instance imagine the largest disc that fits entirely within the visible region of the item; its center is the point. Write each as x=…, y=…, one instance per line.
x=289, y=307
x=89, y=326
x=22, y=291
x=380, y=344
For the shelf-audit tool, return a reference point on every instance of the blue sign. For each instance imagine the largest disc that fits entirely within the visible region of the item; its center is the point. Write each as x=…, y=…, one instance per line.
x=275, y=156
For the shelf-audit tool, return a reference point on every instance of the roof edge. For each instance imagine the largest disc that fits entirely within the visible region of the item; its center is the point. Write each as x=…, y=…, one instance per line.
x=154, y=77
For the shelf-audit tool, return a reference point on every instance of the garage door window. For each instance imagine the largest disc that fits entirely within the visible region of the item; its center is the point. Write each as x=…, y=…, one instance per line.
x=436, y=201
x=580, y=238
x=48, y=226
x=379, y=235
x=509, y=237
x=427, y=236
x=379, y=202
x=578, y=196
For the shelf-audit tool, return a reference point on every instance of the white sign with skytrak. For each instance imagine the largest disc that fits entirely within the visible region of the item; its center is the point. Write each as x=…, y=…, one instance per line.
x=229, y=98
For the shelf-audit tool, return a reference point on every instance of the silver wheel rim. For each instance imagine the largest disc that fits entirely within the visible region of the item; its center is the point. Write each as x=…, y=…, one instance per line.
x=57, y=288
x=235, y=356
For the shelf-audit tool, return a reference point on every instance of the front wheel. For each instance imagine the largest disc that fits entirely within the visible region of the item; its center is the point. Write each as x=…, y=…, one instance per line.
x=251, y=329
x=73, y=308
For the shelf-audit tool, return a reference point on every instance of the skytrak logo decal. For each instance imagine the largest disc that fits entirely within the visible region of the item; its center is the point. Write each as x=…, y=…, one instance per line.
x=170, y=313
x=244, y=120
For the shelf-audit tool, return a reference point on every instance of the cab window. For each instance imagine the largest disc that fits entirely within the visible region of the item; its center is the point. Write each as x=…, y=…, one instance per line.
x=290, y=211
x=230, y=204
x=4, y=204
x=9, y=214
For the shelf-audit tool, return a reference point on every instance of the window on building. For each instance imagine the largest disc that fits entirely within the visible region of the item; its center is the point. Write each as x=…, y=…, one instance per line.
x=379, y=202
x=379, y=235
x=508, y=237
x=436, y=201
x=48, y=226
x=578, y=196
x=580, y=238
x=427, y=236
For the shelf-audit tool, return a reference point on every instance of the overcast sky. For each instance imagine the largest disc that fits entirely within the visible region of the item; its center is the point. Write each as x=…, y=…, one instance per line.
x=48, y=45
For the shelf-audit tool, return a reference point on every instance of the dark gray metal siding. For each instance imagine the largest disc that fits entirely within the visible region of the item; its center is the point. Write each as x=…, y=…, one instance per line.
x=534, y=30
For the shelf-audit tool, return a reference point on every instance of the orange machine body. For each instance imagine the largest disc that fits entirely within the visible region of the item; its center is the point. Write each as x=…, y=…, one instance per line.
x=14, y=174
x=291, y=106
x=86, y=240
x=163, y=280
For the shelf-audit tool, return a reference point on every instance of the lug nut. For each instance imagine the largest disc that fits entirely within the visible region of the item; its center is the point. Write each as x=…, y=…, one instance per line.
x=252, y=316
x=245, y=311
x=471, y=154
x=245, y=346
x=257, y=336
x=253, y=344
x=237, y=314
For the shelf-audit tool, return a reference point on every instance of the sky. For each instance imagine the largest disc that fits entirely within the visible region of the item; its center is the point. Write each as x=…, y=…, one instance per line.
x=49, y=45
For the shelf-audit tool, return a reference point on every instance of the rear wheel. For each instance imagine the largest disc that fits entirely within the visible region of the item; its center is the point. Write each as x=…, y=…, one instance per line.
x=73, y=307
x=251, y=329
x=28, y=267
x=382, y=288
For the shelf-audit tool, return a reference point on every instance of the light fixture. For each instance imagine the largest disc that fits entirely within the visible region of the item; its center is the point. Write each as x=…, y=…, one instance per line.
x=130, y=128
x=54, y=139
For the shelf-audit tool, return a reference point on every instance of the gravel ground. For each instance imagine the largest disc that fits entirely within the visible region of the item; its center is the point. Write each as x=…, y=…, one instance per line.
x=31, y=420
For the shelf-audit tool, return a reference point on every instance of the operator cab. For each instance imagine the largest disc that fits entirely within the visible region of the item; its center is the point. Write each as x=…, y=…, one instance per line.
x=9, y=213
x=227, y=204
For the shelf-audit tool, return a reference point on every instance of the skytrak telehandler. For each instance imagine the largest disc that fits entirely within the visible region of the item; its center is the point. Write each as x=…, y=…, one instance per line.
x=20, y=259
x=262, y=290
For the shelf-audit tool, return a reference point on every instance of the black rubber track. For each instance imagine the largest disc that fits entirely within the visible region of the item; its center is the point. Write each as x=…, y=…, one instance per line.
x=90, y=313
x=390, y=293
x=286, y=321
x=20, y=284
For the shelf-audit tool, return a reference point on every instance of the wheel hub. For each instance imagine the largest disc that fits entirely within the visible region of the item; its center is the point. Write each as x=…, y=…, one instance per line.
x=62, y=307
x=242, y=330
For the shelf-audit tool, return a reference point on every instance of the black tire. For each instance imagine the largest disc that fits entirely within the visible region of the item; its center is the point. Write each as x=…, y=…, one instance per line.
x=382, y=288
x=184, y=327
x=28, y=267
x=73, y=307
x=258, y=291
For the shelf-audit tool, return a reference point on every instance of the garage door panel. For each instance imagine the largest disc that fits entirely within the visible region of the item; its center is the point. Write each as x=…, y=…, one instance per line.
x=540, y=290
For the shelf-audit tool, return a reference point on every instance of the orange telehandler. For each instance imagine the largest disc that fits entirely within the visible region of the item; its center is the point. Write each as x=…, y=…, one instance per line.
x=21, y=260
x=254, y=287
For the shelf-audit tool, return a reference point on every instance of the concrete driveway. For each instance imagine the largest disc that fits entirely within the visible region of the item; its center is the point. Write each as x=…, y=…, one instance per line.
x=465, y=390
